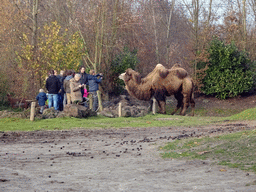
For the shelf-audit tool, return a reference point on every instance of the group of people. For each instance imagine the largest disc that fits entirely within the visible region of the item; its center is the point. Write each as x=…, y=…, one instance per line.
x=69, y=87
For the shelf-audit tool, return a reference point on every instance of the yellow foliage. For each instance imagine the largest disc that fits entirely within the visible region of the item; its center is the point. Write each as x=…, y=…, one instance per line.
x=54, y=51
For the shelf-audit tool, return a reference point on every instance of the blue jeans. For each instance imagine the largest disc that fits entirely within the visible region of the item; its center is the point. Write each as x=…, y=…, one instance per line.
x=53, y=101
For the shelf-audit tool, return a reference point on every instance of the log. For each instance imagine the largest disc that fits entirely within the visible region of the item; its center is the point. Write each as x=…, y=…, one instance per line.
x=120, y=110
x=99, y=101
x=33, y=110
x=154, y=106
x=90, y=101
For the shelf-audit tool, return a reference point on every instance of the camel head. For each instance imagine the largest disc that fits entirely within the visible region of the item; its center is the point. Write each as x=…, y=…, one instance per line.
x=130, y=75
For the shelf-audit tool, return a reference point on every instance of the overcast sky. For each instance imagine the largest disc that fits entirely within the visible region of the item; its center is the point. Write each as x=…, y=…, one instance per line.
x=219, y=8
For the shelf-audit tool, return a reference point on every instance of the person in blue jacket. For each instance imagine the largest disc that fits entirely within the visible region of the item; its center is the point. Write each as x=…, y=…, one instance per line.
x=93, y=82
x=42, y=98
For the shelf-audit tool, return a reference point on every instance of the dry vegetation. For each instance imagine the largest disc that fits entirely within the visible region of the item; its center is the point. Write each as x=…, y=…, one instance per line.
x=166, y=32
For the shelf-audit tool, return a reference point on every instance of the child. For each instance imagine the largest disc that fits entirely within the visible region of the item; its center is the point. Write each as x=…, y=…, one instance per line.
x=41, y=97
x=85, y=99
x=85, y=93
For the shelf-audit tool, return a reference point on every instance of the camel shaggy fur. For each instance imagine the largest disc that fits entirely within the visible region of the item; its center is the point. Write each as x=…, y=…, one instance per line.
x=160, y=83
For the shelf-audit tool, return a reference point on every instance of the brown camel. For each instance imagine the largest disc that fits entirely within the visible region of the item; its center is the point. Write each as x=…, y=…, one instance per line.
x=160, y=83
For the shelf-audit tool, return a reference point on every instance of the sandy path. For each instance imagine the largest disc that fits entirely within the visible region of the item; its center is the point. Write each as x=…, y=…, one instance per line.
x=111, y=160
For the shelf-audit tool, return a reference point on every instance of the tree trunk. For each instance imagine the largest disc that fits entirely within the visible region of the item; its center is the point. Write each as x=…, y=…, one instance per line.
x=34, y=28
x=155, y=32
x=210, y=13
x=168, y=32
x=244, y=24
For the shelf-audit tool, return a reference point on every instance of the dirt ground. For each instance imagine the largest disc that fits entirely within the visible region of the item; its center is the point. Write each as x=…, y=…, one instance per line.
x=116, y=160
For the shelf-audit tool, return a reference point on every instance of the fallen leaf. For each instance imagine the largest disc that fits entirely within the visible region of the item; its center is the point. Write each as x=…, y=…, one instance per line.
x=223, y=170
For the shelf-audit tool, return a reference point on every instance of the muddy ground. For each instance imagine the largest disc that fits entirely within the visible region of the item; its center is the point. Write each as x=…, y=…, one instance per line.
x=113, y=160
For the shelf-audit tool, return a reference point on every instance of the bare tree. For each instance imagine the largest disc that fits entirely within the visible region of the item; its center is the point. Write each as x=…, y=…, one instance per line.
x=168, y=31
x=244, y=23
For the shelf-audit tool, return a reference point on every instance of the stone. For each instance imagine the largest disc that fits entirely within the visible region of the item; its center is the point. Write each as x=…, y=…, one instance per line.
x=108, y=113
x=131, y=107
x=49, y=113
x=73, y=110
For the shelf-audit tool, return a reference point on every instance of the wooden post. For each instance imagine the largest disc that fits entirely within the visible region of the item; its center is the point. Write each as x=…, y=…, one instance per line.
x=33, y=110
x=100, y=101
x=154, y=106
x=120, y=110
x=90, y=101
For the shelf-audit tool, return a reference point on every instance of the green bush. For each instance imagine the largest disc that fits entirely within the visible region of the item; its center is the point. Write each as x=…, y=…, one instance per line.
x=126, y=59
x=229, y=72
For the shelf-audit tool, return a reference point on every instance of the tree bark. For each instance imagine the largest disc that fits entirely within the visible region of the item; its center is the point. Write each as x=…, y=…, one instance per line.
x=155, y=31
x=34, y=28
x=244, y=23
x=168, y=32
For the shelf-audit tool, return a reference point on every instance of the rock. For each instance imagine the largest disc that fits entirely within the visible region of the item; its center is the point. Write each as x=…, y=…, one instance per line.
x=108, y=113
x=73, y=110
x=49, y=113
x=126, y=111
x=131, y=107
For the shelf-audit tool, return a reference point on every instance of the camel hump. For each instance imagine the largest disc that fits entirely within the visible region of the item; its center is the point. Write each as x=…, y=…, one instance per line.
x=182, y=73
x=163, y=72
x=159, y=66
x=159, y=71
x=179, y=72
x=176, y=65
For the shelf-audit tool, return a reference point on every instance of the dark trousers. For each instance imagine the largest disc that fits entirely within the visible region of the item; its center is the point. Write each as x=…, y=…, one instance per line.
x=60, y=101
x=95, y=100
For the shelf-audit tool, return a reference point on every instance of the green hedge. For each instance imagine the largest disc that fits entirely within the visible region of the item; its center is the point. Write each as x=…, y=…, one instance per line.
x=230, y=72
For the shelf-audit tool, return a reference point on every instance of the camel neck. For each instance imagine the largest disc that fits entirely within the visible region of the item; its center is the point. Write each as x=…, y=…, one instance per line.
x=142, y=91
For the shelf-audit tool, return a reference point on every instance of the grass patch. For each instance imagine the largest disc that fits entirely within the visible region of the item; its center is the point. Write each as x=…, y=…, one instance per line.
x=248, y=114
x=235, y=150
x=159, y=120
x=201, y=111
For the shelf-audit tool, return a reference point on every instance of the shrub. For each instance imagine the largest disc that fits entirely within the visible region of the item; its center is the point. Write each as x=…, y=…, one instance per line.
x=126, y=59
x=229, y=72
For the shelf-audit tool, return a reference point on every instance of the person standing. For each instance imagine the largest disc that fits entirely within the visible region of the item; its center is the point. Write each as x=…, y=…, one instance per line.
x=61, y=93
x=93, y=81
x=53, y=87
x=84, y=78
x=75, y=89
x=66, y=85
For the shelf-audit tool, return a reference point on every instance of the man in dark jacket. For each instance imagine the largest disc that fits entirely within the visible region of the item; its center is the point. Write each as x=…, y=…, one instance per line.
x=53, y=87
x=93, y=82
x=61, y=78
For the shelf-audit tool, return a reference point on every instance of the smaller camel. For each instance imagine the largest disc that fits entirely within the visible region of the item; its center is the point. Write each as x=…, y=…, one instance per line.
x=160, y=83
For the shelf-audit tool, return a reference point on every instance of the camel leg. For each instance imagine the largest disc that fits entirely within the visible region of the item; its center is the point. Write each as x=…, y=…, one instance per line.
x=161, y=101
x=179, y=98
x=151, y=105
x=185, y=104
x=192, y=102
x=161, y=105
